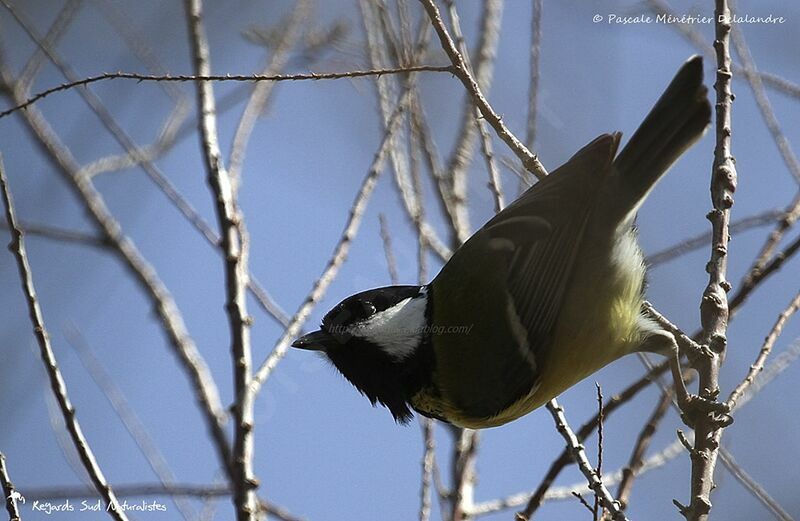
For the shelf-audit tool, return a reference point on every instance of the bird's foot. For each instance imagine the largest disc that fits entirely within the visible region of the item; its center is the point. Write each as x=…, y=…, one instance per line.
x=694, y=407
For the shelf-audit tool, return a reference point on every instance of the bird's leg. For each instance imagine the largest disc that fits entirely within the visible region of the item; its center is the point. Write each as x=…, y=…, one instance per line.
x=692, y=406
x=665, y=342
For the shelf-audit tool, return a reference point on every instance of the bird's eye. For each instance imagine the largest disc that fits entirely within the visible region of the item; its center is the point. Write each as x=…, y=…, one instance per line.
x=369, y=308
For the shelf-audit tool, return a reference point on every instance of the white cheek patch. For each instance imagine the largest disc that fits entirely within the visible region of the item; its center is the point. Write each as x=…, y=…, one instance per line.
x=397, y=330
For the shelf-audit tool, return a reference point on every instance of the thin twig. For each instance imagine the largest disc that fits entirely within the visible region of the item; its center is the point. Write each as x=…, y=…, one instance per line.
x=234, y=244
x=56, y=233
x=766, y=349
x=57, y=30
x=431, y=156
x=428, y=460
x=778, y=365
x=495, y=183
x=339, y=253
x=535, y=73
x=586, y=504
x=537, y=498
x=464, y=473
x=386, y=238
x=767, y=261
x=753, y=486
x=144, y=441
x=399, y=160
x=490, y=31
x=9, y=493
x=528, y=159
x=700, y=240
x=57, y=384
x=585, y=466
x=599, y=469
x=205, y=389
x=643, y=441
x=464, y=147
x=533, y=86
x=315, y=76
x=764, y=105
x=262, y=90
x=697, y=39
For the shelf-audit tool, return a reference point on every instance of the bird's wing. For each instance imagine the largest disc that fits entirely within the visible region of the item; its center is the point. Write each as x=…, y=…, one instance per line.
x=539, y=264
x=520, y=260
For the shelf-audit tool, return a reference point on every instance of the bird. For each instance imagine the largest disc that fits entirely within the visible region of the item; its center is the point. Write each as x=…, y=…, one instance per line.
x=547, y=292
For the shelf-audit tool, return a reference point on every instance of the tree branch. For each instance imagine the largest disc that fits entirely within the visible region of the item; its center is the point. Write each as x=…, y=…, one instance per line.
x=9, y=493
x=531, y=162
x=57, y=384
x=314, y=76
x=714, y=310
x=579, y=455
x=234, y=243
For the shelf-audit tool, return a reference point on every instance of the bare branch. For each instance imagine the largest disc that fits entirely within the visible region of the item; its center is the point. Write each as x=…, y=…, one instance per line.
x=643, y=441
x=599, y=469
x=391, y=263
x=767, y=262
x=399, y=160
x=131, y=490
x=462, y=152
x=339, y=253
x=533, y=88
x=535, y=74
x=464, y=473
x=764, y=105
x=714, y=310
x=537, y=498
x=428, y=461
x=167, y=311
x=698, y=40
x=765, y=350
x=657, y=460
x=146, y=444
x=61, y=234
x=753, y=486
x=579, y=455
x=59, y=27
x=262, y=90
x=495, y=183
x=234, y=243
x=315, y=76
x=700, y=240
x=9, y=493
x=57, y=384
x=528, y=159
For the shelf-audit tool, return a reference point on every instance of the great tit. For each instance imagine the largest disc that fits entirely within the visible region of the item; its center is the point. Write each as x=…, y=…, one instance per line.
x=549, y=291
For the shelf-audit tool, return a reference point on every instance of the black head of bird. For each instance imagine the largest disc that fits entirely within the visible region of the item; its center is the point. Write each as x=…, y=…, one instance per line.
x=547, y=292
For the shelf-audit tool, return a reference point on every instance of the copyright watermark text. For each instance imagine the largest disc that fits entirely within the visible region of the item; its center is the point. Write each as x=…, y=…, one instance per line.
x=667, y=19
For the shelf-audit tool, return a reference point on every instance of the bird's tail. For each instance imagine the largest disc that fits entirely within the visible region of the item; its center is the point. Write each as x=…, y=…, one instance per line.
x=677, y=120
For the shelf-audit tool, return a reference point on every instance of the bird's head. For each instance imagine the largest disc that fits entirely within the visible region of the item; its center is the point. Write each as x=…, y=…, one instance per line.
x=372, y=338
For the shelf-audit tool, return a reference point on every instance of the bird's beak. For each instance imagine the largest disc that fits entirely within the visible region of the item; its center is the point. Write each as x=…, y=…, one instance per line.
x=316, y=341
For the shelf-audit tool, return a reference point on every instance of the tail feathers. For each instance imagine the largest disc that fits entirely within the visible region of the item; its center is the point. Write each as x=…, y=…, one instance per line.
x=677, y=120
